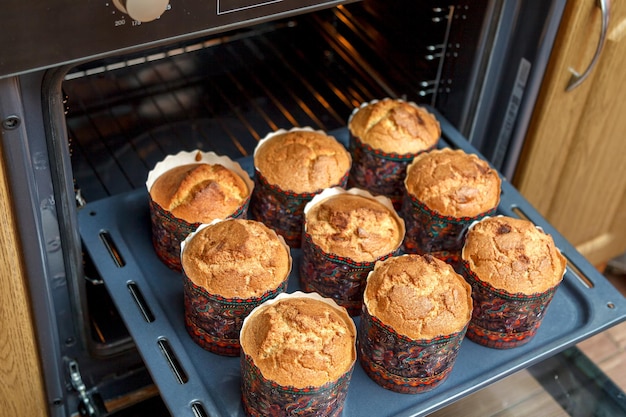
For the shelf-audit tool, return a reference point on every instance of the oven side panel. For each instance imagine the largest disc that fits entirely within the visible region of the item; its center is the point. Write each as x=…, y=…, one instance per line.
x=26, y=318
x=45, y=261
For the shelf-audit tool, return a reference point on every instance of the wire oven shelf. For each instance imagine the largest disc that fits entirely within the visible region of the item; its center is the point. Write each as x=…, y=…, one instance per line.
x=194, y=382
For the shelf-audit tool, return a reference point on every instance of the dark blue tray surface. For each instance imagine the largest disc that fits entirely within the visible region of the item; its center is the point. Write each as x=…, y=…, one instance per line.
x=577, y=312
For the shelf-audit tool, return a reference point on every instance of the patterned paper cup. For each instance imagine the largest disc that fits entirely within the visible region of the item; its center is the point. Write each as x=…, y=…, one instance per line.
x=168, y=231
x=401, y=364
x=341, y=278
x=214, y=321
x=521, y=269
x=415, y=314
x=380, y=172
x=428, y=232
x=445, y=190
x=280, y=209
x=502, y=320
x=263, y=397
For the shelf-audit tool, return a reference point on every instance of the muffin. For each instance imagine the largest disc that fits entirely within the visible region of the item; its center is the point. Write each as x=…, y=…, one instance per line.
x=514, y=268
x=385, y=136
x=445, y=191
x=191, y=188
x=345, y=233
x=290, y=168
x=298, y=353
x=230, y=267
x=415, y=314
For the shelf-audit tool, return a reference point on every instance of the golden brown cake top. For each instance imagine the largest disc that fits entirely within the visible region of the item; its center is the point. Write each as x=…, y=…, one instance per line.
x=236, y=258
x=302, y=161
x=199, y=193
x=513, y=255
x=354, y=226
x=300, y=342
x=395, y=126
x=453, y=183
x=420, y=297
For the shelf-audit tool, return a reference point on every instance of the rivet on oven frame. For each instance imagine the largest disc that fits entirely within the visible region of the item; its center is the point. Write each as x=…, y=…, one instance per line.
x=11, y=122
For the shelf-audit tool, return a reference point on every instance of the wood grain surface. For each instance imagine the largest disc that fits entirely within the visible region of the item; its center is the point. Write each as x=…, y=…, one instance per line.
x=573, y=166
x=21, y=383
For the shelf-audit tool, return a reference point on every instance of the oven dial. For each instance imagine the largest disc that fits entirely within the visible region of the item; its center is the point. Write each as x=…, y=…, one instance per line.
x=142, y=10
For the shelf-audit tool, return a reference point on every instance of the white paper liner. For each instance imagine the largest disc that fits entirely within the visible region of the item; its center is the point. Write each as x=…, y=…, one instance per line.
x=332, y=191
x=197, y=157
x=195, y=232
x=366, y=299
x=367, y=103
x=300, y=294
x=275, y=133
x=475, y=222
x=427, y=154
x=191, y=235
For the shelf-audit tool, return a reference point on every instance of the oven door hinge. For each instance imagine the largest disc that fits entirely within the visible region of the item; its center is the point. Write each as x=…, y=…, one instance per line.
x=90, y=402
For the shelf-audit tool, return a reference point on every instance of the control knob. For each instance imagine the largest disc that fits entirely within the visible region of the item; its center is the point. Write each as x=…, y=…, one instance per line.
x=142, y=10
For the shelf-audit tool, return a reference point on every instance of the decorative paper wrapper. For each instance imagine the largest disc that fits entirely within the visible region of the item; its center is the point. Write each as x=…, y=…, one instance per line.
x=401, y=364
x=503, y=320
x=262, y=397
x=213, y=321
x=282, y=210
x=168, y=230
x=340, y=278
x=379, y=172
x=428, y=232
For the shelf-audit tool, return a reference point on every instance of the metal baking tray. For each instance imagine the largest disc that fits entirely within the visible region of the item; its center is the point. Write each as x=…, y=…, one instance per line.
x=194, y=382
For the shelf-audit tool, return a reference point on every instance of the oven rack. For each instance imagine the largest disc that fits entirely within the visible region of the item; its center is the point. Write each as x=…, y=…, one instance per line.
x=225, y=92
x=194, y=382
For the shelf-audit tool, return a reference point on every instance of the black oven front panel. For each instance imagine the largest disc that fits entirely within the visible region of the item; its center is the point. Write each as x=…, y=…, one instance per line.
x=38, y=35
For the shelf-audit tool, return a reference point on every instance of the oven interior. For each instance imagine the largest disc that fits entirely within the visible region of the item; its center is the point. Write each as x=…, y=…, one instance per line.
x=225, y=92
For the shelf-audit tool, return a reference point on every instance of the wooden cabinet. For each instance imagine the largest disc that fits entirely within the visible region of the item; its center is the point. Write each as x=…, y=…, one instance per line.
x=21, y=379
x=573, y=165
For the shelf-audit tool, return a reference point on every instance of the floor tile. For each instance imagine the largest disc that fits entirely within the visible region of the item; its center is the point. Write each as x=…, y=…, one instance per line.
x=599, y=347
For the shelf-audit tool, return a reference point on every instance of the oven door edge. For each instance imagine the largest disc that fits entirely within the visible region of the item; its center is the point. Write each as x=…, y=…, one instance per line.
x=497, y=114
x=38, y=168
x=28, y=171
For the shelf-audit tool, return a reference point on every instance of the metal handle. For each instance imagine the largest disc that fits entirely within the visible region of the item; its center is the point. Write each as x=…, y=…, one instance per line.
x=577, y=78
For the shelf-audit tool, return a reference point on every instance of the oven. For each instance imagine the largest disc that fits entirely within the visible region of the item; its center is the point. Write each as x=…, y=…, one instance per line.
x=94, y=93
